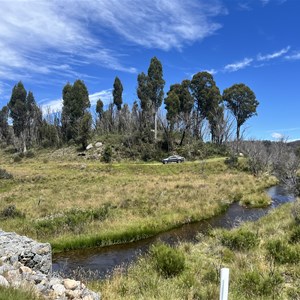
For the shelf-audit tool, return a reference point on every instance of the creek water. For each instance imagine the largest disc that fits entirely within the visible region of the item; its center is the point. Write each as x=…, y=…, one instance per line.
x=101, y=261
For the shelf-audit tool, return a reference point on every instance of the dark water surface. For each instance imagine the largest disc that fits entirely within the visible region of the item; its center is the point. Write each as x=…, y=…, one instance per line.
x=104, y=260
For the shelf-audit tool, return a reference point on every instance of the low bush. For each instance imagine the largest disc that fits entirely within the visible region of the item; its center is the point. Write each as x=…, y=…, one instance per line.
x=107, y=154
x=4, y=174
x=11, y=212
x=296, y=211
x=168, y=261
x=240, y=239
x=282, y=252
x=29, y=154
x=232, y=161
x=295, y=235
x=18, y=157
x=255, y=284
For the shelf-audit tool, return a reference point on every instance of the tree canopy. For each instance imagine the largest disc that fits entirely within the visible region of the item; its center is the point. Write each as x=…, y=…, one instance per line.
x=242, y=103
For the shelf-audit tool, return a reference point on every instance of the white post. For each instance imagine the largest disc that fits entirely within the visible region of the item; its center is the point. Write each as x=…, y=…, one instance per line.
x=224, y=284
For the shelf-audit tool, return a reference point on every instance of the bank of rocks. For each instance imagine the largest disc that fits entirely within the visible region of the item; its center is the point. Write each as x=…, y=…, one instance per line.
x=25, y=263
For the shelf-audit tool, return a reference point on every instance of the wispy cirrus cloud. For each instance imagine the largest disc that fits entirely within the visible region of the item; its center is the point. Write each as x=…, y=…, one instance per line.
x=59, y=37
x=277, y=135
x=248, y=61
x=238, y=65
x=264, y=2
x=293, y=56
x=161, y=24
x=273, y=55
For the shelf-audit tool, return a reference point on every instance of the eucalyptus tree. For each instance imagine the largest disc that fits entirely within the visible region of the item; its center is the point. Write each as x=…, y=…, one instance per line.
x=150, y=91
x=179, y=104
x=26, y=115
x=242, y=103
x=117, y=93
x=207, y=98
x=75, y=112
x=156, y=88
x=99, y=109
x=4, y=127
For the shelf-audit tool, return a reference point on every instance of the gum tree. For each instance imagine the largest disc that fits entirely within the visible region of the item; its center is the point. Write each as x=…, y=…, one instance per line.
x=242, y=103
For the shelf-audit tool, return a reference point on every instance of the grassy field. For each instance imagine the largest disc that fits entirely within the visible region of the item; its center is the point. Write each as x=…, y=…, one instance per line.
x=263, y=258
x=77, y=203
x=17, y=294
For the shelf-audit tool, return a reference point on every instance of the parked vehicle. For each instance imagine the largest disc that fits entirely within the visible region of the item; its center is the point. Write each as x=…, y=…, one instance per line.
x=173, y=158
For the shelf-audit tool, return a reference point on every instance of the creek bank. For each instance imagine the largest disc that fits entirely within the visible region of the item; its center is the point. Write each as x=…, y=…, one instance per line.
x=103, y=260
x=25, y=263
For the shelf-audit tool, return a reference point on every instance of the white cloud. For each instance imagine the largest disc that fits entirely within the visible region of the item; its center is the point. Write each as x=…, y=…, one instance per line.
x=277, y=135
x=57, y=37
x=104, y=95
x=238, y=65
x=161, y=24
x=294, y=56
x=211, y=71
x=273, y=55
x=264, y=2
x=57, y=104
x=46, y=37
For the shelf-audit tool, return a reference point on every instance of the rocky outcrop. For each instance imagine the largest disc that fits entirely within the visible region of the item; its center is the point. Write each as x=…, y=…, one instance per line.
x=27, y=263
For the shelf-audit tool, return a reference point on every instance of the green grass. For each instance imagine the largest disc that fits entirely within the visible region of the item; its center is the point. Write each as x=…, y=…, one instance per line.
x=17, y=294
x=76, y=203
x=256, y=270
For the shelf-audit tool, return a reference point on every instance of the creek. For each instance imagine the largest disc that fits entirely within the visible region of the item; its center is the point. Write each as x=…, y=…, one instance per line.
x=101, y=261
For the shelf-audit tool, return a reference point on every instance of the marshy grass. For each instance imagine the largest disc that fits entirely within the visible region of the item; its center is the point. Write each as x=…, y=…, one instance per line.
x=262, y=257
x=61, y=198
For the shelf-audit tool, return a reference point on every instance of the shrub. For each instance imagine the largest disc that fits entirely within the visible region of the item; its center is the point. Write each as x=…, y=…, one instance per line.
x=4, y=174
x=11, y=212
x=232, y=161
x=240, y=239
x=283, y=253
x=296, y=211
x=29, y=154
x=255, y=284
x=107, y=154
x=18, y=157
x=168, y=261
x=295, y=235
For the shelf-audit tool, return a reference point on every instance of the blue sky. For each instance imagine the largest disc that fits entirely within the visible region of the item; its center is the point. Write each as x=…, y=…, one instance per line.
x=257, y=42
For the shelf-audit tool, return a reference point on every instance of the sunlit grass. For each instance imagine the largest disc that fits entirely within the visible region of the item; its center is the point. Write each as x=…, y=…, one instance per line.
x=253, y=272
x=142, y=198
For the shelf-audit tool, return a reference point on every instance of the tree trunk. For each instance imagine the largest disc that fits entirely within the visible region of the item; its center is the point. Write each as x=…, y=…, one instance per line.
x=155, y=126
x=237, y=138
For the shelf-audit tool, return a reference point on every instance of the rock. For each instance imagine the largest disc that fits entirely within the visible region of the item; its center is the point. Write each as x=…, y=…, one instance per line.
x=88, y=147
x=24, y=269
x=54, y=281
x=58, y=289
x=13, y=276
x=3, y=281
x=74, y=294
x=98, y=145
x=88, y=297
x=71, y=284
x=24, y=262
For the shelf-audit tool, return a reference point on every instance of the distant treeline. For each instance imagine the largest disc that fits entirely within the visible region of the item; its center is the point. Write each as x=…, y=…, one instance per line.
x=195, y=112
